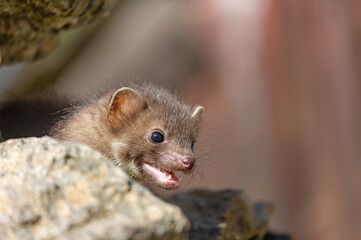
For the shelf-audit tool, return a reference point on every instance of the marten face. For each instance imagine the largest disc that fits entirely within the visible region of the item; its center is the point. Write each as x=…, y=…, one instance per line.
x=156, y=139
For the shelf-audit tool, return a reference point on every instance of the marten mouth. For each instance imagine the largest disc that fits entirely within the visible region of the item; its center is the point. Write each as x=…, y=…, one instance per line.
x=163, y=178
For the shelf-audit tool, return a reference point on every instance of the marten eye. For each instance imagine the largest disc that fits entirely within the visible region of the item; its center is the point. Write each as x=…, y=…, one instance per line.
x=192, y=146
x=156, y=137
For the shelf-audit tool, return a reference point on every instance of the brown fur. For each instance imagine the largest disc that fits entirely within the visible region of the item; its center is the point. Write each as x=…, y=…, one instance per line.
x=99, y=125
x=118, y=124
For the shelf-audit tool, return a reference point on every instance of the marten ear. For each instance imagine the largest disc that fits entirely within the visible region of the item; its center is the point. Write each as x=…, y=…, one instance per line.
x=125, y=102
x=197, y=113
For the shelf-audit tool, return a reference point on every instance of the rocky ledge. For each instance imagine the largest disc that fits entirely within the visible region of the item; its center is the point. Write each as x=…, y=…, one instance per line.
x=62, y=190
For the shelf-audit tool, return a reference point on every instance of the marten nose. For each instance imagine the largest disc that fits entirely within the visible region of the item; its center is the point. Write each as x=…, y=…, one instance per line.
x=188, y=163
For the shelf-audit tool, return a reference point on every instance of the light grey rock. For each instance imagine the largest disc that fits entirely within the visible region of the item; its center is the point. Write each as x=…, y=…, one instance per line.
x=62, y=190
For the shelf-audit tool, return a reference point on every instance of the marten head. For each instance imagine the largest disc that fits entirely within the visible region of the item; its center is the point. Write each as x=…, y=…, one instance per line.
x=153, y=134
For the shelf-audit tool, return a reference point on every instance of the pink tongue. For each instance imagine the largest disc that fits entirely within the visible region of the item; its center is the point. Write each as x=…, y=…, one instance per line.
x=170, y=175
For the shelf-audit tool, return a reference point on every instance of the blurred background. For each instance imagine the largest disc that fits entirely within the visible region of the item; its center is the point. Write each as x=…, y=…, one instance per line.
x=281, y=86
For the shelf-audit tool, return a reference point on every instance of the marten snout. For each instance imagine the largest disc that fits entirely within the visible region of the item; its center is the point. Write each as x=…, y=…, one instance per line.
x=188, y=163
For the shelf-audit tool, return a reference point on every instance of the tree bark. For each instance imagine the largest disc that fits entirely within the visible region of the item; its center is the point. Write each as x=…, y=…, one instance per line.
x=29, y=29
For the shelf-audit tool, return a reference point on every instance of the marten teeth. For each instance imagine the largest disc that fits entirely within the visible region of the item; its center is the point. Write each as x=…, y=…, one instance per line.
x=163, y=176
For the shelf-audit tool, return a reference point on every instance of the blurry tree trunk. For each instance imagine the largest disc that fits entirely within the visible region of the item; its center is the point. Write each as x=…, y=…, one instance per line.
x=312, y=59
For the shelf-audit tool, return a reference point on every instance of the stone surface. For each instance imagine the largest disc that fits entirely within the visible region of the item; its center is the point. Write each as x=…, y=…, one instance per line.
x=223, y=215
x=62, y=190
x=28, y=29
x=276, y=236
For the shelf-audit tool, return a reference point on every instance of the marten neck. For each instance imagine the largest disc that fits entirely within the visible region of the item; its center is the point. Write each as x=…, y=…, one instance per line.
x=86, y=125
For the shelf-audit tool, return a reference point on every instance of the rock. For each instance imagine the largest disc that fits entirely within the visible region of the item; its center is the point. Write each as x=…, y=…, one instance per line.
x=223, y=215
x=28, y=29
x=62, y=190
x=274, y=236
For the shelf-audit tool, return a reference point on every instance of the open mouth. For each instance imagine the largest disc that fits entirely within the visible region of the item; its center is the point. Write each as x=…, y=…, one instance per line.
x=161, y=177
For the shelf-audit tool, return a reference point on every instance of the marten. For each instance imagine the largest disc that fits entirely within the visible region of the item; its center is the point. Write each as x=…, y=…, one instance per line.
x=143, y=129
